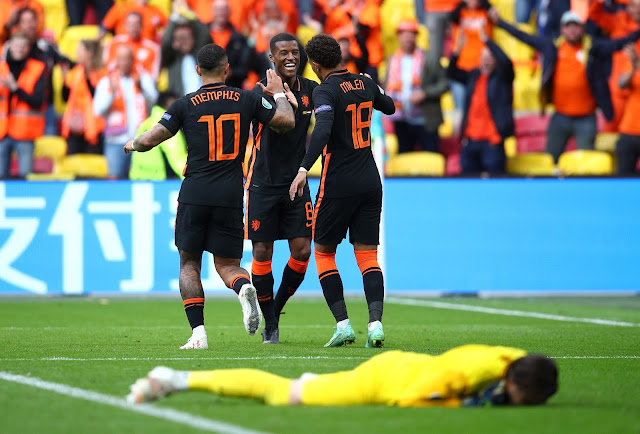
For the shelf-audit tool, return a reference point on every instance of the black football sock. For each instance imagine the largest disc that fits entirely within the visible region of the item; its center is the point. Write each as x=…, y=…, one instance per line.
x=292, y=278
x=194, y=308
x=373, y=282
x=238, y=281
x=331, y=284
x=263, y=281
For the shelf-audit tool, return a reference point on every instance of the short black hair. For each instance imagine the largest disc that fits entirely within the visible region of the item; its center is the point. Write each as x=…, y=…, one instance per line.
x=212, y=59
x=324, y=50
x=536, y=376
x=281, y=37
x=165, y=97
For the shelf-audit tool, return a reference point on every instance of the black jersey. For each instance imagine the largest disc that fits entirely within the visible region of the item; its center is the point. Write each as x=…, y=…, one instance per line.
x=276, y=158
x=343, y=105
x=215, y=120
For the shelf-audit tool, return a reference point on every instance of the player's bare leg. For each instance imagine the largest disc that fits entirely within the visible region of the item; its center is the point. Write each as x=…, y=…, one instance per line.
x=333, y=294
x=193, y=298
x=373, y=281
x=262, y=278
x=237, y=278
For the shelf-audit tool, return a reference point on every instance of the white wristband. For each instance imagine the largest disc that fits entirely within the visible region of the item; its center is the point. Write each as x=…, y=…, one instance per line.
x=133, y=146
x=302, y=169
x=279, y=95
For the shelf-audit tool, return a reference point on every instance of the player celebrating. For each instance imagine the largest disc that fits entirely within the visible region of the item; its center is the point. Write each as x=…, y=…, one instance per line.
x=350, y=193
x=270, y=214
x=471, y=375
x=215, y=120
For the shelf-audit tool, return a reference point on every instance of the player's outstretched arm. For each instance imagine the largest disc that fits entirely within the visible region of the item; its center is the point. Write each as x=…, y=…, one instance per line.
x=147, y=141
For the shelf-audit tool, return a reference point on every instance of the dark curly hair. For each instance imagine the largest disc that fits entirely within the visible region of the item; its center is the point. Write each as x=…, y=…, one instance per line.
x=324, y=50
x=536, y=376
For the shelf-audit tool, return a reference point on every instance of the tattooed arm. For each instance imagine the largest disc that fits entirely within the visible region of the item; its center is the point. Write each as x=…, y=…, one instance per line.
x=284, y=119
x=148, y=140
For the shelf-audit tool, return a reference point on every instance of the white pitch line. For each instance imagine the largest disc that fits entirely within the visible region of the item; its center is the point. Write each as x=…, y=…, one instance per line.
x=507, y=312
x=163, y=359
x=160, y=359
x=124, y=327
x=169, y=414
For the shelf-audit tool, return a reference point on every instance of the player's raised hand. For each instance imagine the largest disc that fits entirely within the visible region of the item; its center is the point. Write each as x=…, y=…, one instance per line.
x=291, y=97
x=274, y=83
x=297, y=186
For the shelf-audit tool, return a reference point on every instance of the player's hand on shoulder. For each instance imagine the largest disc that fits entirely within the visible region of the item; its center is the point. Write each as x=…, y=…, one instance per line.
x=274, y=83
x=290, y=97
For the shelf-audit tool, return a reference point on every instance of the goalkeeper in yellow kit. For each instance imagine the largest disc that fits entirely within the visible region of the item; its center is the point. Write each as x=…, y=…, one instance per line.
x=464, y=376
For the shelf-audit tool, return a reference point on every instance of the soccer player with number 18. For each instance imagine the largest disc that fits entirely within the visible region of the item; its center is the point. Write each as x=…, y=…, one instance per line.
x=350, y=193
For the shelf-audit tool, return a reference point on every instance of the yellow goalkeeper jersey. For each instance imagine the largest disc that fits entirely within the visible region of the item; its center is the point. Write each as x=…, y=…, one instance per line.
x=414, y=380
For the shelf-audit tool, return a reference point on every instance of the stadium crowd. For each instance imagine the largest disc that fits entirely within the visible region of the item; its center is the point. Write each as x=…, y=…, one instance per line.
x=93, y=72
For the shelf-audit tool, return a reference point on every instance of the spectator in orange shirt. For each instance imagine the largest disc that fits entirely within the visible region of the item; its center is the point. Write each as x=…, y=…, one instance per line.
x=153, y=19
x=469, y=20
x=365, y=16
x=80, y=126
x=488, y=110
x=9, y=10
x=355, y=56
x=146, y=52
x=628, y=145
x=574, y=78
x=617, y=25
x=77, y=8
x=238, y=15
x=241, y=57
x=404, y=85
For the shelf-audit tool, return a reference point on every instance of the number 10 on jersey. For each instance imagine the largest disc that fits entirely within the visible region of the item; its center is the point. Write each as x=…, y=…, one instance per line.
x=216, y=139
x=358, y=124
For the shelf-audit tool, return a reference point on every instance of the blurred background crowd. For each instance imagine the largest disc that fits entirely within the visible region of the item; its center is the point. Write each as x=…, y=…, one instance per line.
x=507, y=87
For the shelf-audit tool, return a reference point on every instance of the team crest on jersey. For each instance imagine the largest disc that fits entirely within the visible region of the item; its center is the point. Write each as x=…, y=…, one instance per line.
x=305, y=100
x=255, y=225
x=266, y=104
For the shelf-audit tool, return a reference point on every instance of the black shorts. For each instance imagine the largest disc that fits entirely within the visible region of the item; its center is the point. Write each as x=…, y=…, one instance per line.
x=272, y=217
x=359, y=214
x=216, y=229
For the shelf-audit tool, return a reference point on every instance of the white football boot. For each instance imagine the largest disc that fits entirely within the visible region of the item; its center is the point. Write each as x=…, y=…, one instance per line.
x=197, y=341
x=251, y=313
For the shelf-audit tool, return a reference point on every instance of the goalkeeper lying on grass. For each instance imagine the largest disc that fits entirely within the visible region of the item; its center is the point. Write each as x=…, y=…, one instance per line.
x=470, y=375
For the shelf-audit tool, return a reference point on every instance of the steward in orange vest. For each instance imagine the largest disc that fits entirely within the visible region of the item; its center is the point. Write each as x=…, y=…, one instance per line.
x=22, y=105
x=79, y=118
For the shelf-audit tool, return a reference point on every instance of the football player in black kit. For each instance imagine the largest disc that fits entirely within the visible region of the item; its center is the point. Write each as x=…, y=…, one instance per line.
x=216, y=120
x=270, y=214
x=350, y=193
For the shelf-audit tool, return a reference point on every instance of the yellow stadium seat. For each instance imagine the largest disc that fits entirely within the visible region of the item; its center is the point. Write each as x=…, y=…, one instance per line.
x=583, y=162
x=391, y=142
x=85, y=166
x=416, y=164
x=510, y=147
x=531, y=164
x=606, y=142
x=447, y=102
x=316, y=169
x=164, y=5
x=446, y=129
x=54, y=148
x=72, y=36
x=304, y=34
x=56, y=18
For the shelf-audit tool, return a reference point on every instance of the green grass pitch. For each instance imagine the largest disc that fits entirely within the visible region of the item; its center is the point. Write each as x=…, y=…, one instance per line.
x=108, y=343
